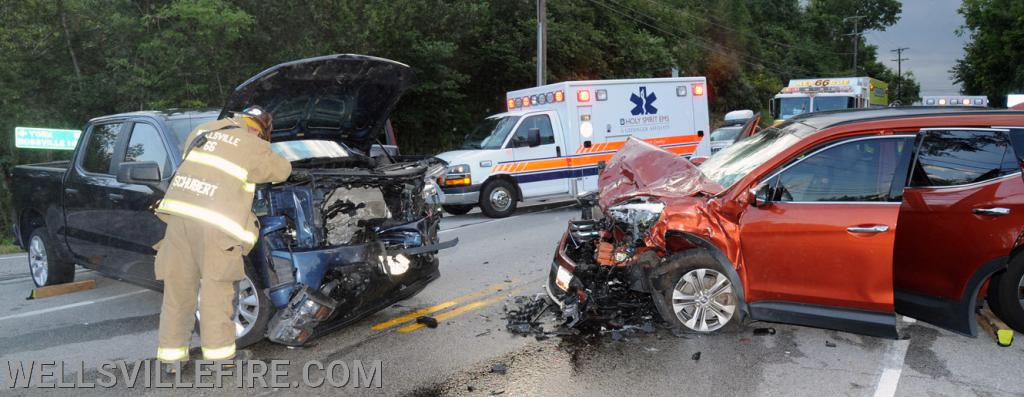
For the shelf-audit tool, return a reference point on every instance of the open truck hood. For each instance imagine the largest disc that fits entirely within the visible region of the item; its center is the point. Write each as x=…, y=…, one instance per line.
x=345, y=98
x=642, y=169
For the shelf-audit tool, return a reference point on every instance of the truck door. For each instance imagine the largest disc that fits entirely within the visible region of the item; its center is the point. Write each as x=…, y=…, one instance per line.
x=87, y=205
x=134, y=228
x=541, y=170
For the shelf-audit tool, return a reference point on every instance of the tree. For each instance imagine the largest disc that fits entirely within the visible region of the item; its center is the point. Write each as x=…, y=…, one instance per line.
x=990, y=66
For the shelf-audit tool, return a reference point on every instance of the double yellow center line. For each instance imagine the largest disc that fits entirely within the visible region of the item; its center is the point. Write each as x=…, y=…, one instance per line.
x=454, y=303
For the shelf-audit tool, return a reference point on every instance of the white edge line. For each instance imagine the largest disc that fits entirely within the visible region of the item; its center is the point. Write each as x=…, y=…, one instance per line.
x=892, y=367
x=73, y=305
x=15, y=256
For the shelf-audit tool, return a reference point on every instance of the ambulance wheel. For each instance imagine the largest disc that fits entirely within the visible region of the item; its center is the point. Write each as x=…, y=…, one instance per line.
x=498, y=199
x=44, y=265
x=1006, y=294
x=253, y=310
x=457, y=209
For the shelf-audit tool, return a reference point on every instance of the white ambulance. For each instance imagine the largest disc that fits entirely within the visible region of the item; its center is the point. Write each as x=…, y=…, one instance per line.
x=551, y=141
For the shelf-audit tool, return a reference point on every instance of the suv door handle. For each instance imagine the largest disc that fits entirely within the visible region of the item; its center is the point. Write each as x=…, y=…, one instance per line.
x=994, y=211
x=867, y=229
x=116, y=196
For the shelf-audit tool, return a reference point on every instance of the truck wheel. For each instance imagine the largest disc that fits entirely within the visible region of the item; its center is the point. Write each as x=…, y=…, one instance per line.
x=44, y=265
x=457, y=209
x=498, y=199
x=253, y=310
x=1006, y=294
x=699, y=295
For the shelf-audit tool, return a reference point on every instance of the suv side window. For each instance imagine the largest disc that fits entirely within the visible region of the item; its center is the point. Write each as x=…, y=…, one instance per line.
x=145, y=144
x=99, y=150
x=853, y=171
x=960, y=157
x=540, y=121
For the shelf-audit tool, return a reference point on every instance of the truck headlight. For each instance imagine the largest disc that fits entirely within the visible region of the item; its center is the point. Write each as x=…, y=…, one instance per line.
x=457, y=175
x=639, y=214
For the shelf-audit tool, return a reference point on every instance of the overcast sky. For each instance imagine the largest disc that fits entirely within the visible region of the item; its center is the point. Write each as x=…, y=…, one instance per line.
x=928, y=28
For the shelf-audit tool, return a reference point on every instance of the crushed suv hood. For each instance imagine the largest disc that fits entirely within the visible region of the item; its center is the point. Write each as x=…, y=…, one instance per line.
x=642, y=169
x=345, y=98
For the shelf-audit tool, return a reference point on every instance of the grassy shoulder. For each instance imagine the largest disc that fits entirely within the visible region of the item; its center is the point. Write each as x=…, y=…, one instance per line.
x=7, y=248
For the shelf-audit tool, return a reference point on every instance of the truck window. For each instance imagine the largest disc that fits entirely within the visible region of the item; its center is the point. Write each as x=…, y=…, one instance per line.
x=181, y=127
x=99, y=150
x=949, y=158
x=145, y=144
x=490, y=134
x=540, y=121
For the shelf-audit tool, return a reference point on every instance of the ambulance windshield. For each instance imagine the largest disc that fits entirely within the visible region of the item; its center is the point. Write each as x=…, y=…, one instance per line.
x=489, y=134
x=822, y=103
x=793, y=106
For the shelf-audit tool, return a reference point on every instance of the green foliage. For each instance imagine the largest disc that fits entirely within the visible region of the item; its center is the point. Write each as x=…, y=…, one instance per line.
x=990, y=65
x=66, y=61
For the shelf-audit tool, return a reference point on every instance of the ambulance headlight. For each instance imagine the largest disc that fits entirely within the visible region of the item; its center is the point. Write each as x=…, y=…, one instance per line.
x=457, y=175
x=586, y=129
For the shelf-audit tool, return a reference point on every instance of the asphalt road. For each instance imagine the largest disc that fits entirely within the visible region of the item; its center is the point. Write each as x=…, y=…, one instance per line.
x=494, y=260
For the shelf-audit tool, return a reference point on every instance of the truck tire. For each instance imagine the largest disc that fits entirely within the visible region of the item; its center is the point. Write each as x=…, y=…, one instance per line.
x=699, y=295
x=498, y=199
x=254, y=310
x=44, y=265
x=457, y=209
x=1006, y=294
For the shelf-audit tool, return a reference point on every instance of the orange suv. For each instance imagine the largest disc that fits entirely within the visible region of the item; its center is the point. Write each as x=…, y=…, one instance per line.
x=837, y=220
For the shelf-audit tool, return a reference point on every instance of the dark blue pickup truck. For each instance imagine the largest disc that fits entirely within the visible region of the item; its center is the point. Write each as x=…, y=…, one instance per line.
x=354, y=229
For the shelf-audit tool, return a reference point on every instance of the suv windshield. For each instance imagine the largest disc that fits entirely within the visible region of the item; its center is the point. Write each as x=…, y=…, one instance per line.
x=736, y=161
x=308, y=149
x=726, y=133
x=490, y=134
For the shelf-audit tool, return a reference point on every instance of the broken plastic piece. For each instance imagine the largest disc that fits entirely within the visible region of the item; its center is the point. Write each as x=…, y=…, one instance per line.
x=430, y=322
x=695, y=356
x=499, y=368
x=764, y=331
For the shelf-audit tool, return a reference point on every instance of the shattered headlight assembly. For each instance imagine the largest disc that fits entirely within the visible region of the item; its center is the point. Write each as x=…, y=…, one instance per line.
x=639, y=215
x=457, y=175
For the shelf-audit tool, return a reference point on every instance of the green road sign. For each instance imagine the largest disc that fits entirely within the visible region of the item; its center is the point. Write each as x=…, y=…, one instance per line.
x=45, y=138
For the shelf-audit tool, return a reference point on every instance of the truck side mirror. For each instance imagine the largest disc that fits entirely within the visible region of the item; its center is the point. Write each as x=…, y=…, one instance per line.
x=139, y=173
x=533, y=137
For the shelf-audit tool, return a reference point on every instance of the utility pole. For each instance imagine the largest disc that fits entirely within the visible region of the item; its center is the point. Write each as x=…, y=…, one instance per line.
x=899, y=69
x=542, y=41
x=856, y=38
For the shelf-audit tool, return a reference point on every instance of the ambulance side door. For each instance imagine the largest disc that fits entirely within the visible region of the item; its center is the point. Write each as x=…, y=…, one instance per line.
x=541, y=167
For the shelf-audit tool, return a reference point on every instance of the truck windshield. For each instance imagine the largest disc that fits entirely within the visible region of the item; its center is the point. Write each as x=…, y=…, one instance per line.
x=308, y=149
x=490, y=134
x=736, y=161
x=832, y=103
x=789, y=107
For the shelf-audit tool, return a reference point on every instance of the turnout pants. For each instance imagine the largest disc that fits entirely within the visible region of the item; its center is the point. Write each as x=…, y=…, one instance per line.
x=195, y=259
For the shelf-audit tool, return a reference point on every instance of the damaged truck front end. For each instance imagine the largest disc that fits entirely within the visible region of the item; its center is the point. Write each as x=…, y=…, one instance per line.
x=343, y=243
x=628, y=260
x=347, y=234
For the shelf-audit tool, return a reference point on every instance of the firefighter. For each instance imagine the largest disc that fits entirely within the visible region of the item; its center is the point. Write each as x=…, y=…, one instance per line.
x=210, y=227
